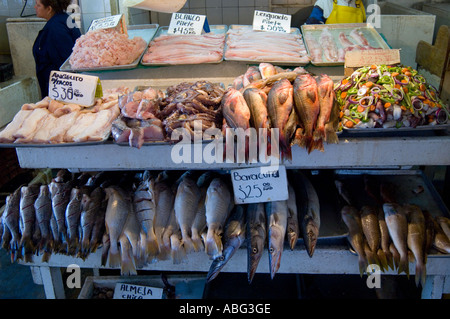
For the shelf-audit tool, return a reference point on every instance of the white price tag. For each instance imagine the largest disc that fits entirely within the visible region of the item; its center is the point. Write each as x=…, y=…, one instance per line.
x=271, y=22
x=185, y=23
x=108, y=23
x=128, y=291
x=260, y=184
x=74, y=88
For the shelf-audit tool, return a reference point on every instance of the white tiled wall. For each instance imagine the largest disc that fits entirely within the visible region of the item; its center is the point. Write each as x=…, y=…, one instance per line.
x=92, y=10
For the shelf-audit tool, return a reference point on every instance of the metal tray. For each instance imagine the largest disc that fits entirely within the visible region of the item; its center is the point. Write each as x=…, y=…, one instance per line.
x=368, y=30
x=217, y=29
x=34, y=145
x=236, y=26
x=145, y=31
x=402, y=130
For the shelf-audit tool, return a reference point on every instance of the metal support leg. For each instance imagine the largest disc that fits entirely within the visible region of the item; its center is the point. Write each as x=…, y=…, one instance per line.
x=53, y=283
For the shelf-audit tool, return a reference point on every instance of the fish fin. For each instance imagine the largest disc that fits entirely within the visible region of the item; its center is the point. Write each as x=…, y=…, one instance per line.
x=151, y=248
x=127, y=267
x=213, y=244
x=330, y=135
x=383, y=259
x=315, y=145
x=188, y=245
x=114, y=255
x=319, y=134
x=403, y=266
x=421, y=274
x=362, y=263
x=198, y=243
x=178, y=252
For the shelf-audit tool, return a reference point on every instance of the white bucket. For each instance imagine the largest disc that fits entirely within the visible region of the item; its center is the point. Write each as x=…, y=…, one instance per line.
x=170, y=6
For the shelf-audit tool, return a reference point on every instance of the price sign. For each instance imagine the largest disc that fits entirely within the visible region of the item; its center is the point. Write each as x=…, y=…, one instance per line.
x=271, y=22
x=127, y=291
x=109, y=22
x=74, y=88
x=260, y=184
x=184, y=23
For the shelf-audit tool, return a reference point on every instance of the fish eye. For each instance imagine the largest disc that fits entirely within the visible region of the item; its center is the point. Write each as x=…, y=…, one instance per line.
x=255, y=250
x=271, y=250
x=221, y=258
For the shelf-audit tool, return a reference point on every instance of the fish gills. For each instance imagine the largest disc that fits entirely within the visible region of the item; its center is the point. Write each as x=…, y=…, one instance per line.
x=416, y=240
x=277, y=213
x=256, y=237
x=398, y=230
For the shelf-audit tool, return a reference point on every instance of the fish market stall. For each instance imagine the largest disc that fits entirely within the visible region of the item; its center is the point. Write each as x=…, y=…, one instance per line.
x=131, y=161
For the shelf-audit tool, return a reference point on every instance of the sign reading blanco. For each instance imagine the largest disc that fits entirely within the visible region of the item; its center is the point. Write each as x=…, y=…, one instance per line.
x=74, y=88
x=259, y=184
x=271, y=22
x=128, y=291
x=185, y=23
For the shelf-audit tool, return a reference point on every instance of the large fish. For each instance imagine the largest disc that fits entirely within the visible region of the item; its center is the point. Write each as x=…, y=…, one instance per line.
x=385, y=239
x=145, y=209
x=43, y=208
x=11, y=217
x=218, y=203
x=91, y=204
x=256, y=100
x=73, y=213
x=60, y=192
x=307, y=106
x=326, y=94
x=309, y=211
x=276, y=216
x=117, y=210
x=130, y=238
x=416, y=240
x=28, y=195
x=186, y=204
x=292, y=231
x=256, y=237
x=235, y=109
x=370, y=226
x=99, y=226
x=398, y=230
x=280, y=102
x=352, y=219
x=234, y=236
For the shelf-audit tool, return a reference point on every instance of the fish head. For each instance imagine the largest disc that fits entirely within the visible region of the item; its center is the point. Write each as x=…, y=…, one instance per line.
x=310, y=236
x=219, y=262
x=255, y=252
x=276, y=241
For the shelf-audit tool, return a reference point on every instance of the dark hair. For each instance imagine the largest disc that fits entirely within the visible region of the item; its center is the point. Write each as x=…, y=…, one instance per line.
x=58, y=6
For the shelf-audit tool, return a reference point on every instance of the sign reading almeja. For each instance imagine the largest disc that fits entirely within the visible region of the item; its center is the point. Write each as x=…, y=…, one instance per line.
x=129, y=291
x=73, y=88
x=271, y=22
x=259, y=184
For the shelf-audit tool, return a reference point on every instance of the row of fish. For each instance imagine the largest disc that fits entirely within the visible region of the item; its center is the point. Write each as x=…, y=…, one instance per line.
x=390, y=234
x=299, y=105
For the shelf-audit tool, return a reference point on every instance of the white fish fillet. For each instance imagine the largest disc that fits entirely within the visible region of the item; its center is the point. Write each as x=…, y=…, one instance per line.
x=6, y=136
x=31, y=123
x=81, y=124
x=42, y=135
x=62, y=124
x=99, y=128
x=329, y=46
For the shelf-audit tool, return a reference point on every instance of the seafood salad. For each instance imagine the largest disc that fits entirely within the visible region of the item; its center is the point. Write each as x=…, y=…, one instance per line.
x=382, y=96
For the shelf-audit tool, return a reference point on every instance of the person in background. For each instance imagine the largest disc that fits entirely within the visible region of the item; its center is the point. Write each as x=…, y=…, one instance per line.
x=337, y=11
x=55, y=41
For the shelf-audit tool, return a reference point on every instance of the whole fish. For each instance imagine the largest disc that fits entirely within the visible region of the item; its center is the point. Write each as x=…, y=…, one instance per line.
x=370, y=226
x=43, y=208
x=441, y=242
x=99, y=226
x=276, y=216
x=60, y=192
x=307, y=106
x=398, y=230
x=251, y=75
x=117, y=210
x=131, y=233
x=234, y=236
x=292, y=230
x=256, y=100
x=106, y=244
x=444, y=222
x=186, y=205
x=198, y=228
x=11, y=220
x=280, y=102
x=352, y=219
x=235, y=109
x=28, y=195
x=171, y=241
x=385, y=239
x=267, y=70
x=144, y=205
x=90, y=207
x=309, y=211
x=73, y=213
x=416, y=240
x=256, y=237
x=164, y=198
x=325, y=89
x=218, y=204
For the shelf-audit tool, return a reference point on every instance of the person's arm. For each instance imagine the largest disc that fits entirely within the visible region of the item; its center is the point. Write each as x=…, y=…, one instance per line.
x=316, y=16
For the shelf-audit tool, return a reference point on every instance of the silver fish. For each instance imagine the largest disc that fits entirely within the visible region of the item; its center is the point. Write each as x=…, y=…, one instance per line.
x=276, y=214
x=256, y=237
x=73, y=213
x=385, y=239
x=11, y=220
x=28, y=195
x=164, y=199
x=99, y=226
x=234, y=236
x=60, y=192
x=416, y=240
x=219, y=204
x=90, y=207
x=398, y=229
x=292, y=231
x=43, y=208
x=130, y=237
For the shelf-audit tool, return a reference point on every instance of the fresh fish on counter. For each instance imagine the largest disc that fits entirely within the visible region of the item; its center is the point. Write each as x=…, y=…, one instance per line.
x=99, y=226
x=307, y=106
x=186, y=203
x=416, y=240
x=43, y=209
x=11, y=220
x=256, y=237
x=315, y=50
x=276, y=216
x=7, y=135
x=292, y=230
x=219, y=204
x=257, y=102
x=330, y=49
x=309, y=211
x=398, y=230
x=352, y=219
x=235, y=109
x=91, y=205
x=372, y=233
x=441, y=242
x=326, y=95
x=28, y=195
x=233, y=238
x=119, y=206
x=60, y=192
x=72, y=217
x=385, y=239
x=280, y=103
x=361, y=40
x=130, y=245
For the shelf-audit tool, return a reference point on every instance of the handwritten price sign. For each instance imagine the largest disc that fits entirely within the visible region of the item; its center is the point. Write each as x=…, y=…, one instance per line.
x=184, y=23
x=260, y=184
x=271, y=22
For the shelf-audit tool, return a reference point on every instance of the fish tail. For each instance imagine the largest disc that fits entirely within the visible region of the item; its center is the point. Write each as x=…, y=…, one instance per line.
x=389, y=259
x=28, y=246
x=151, y=248
x=46, y=256
x=178, y=252
x=362, y=263
x=421, y=274
x=383, y=259
x=127, y=267
x=198, y=243
x=188, y=245
x=404, y=265
x=85, y=246
x=330, y=135
x=319, y=134
x=213, y=244
x=315, y=145
x=114, y=255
